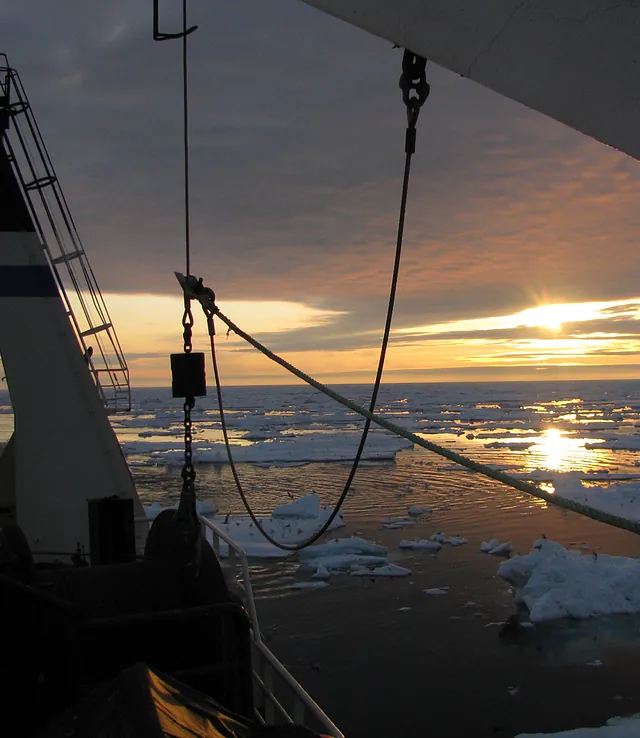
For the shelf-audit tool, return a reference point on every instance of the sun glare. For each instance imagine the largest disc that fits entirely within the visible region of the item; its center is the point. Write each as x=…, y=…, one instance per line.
x=560, y=451
x=553, y=316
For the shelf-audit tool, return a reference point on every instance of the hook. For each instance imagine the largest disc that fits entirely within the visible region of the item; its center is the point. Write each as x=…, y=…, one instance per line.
x=157, y=36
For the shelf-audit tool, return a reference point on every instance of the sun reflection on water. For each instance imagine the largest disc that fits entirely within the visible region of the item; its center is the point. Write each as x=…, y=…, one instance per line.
x=558, y=451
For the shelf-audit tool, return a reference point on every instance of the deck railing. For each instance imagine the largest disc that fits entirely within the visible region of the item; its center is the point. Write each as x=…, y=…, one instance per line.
x=278, y=697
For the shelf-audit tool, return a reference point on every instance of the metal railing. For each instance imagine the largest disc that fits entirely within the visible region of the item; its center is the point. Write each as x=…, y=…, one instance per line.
x=278, y=697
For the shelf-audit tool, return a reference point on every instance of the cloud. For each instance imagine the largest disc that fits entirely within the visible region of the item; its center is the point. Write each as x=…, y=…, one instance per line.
x=297, y=135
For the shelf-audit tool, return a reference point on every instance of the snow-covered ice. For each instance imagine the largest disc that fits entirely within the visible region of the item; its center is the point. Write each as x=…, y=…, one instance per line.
x=349, y=555
x=553, y=582
x=386, y=570
x=421, y=544
x=308, y=585
x=394, y=524
x=455, y=541
x=622, y=499
x=416, y=510
x=495, y=548
x=275, y=449
x=304, y=507
x=283, y=527
x=617, y=727
x=321, y=572
x=341, y=546
x=621, y=442
x=449, y=540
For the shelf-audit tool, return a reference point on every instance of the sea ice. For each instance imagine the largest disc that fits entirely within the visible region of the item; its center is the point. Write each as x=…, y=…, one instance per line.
x=283, y=528
x=304, y=507
x=416, y=510
x=436, y=591
x=617, y=727
x=622, y=442
x=341, y=562
x=387, y=570
x=394, y=524
x=338, y=546
x=276, y=449
x=455, y=541
x=421, y=544
x=308, y=585
x=495, y=548
x=449, y=540
x=617, y=499
x=321, y=572
x=553, y=582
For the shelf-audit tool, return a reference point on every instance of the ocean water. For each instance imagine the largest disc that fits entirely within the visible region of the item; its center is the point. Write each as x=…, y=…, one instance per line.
x=405, y=648
x=289, y=441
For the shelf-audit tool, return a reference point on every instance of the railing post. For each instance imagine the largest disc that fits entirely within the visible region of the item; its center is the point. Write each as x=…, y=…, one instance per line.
x=298, y=710
x=269, y=707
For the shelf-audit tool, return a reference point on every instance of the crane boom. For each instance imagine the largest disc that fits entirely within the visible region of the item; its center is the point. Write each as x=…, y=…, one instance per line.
x=576, y=62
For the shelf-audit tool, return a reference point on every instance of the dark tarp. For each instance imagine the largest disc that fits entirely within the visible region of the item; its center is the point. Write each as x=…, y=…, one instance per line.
x=141, y=703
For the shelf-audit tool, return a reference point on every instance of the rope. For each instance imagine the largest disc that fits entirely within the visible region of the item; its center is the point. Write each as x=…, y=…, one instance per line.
x=415, y=91
x=476, y=466
x=185, y=120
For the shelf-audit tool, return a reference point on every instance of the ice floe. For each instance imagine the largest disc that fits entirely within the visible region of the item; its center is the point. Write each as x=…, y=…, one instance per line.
x=553, y=582
x=433, y=543
x=274, y=449
x=308, y=585
x=283, y=527
x=622, y=442
x=495, y=548
x=386, y=570
x=617, y=499
x=421, y=544
x=617, y=727
x=416, y=510
x=395, y=523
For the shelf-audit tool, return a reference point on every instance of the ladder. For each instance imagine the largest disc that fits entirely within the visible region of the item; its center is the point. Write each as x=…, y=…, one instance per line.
x=79, y=290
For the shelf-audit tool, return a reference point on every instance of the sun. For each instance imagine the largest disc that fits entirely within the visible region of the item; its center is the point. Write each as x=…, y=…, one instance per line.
x=552, y=317
x=549, y=316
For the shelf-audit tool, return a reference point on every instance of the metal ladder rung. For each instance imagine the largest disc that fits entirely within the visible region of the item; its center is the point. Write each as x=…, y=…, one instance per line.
x=24, y=147
x=67, y=257
x=41, y=182
x=97, y=329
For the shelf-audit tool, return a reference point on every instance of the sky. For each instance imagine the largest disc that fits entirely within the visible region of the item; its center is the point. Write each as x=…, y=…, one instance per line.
x=520, y=243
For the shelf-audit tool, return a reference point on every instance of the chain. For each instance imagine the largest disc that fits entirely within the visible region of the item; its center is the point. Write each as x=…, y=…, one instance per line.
x=415, y=91
x=188, y=470
x=187, y=325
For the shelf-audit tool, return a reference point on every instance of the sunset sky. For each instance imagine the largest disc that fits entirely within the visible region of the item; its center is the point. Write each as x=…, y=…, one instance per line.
x=521, y=240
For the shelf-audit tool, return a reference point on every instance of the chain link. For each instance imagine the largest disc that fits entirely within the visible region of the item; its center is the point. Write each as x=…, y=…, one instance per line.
x=414, y=85
x=187, y=325
x=188, y=470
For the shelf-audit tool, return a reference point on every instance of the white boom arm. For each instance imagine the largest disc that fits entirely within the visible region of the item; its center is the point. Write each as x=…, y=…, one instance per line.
x=577, y=61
